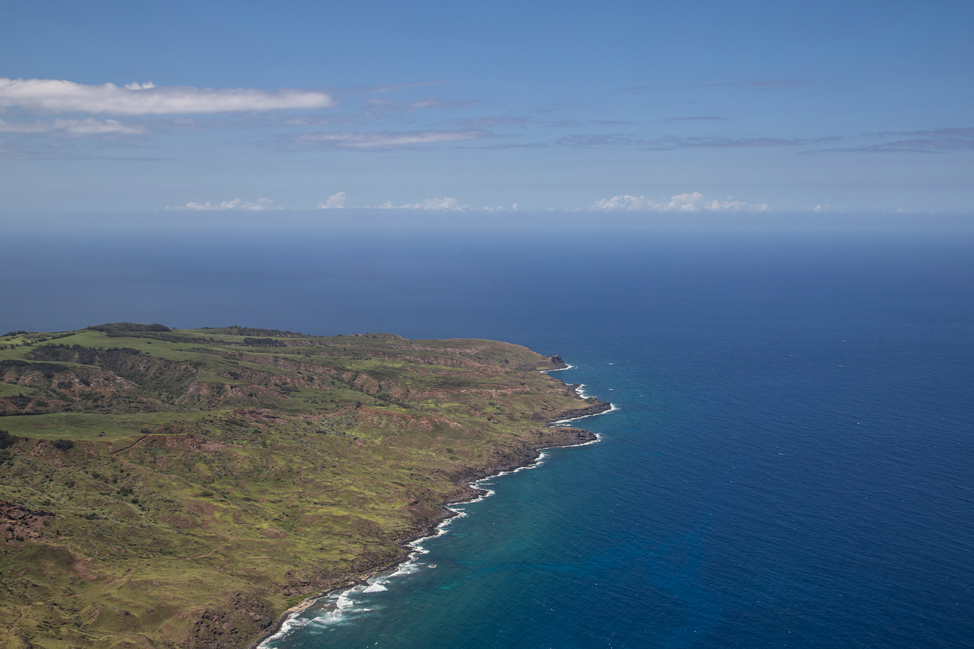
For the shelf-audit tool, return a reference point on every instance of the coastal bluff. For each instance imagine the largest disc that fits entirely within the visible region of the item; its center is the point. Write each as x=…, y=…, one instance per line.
x=183, y=488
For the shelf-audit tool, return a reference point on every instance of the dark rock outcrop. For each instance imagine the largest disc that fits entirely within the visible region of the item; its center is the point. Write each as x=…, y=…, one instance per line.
x=595, y=407
x=246, y=615
x=18, y=523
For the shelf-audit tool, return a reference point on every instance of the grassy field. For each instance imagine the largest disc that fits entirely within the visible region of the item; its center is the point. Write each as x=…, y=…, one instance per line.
x=163, y=488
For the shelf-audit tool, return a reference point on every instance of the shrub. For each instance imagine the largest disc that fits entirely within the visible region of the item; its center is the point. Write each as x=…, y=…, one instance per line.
x=7, y=440
x=63, y=444
x=129, y=326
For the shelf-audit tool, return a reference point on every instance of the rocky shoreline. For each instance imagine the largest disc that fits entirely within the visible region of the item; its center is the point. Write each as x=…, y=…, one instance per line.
x=571, y=437
x=597, y=408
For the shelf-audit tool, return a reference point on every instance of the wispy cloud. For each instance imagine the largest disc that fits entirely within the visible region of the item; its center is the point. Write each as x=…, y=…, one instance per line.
x=754, y=84
x=403, y=86
x=236, y=204
x=523, y=145
x=941, y=140
x=334, y=202
x=429, y=102
x=694, y=202
x=556, y=107
x=390, y=105
x=445, y=204
x=486, y=122
x=760, y=84
x=59, y=96
x=599, y=140
x=661, y=104
x=434, y=102
x=73, y=127
x=390, y=139
x=707, y=118
x=672, y=142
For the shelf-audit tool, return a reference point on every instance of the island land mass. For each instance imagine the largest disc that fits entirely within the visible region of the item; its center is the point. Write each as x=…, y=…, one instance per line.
x=185, y=488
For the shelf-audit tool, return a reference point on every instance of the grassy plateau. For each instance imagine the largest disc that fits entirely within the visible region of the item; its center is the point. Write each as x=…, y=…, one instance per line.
x=183, y=488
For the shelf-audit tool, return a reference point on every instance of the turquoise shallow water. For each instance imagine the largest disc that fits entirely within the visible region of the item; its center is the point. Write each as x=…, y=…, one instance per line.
x=792, y=463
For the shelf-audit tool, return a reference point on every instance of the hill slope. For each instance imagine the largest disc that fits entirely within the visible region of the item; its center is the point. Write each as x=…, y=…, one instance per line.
x=184, y=487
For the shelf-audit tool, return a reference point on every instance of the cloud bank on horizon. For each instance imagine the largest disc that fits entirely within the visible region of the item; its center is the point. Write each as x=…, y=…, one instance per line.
x=694, y=202
x=335, y=202
x=259, y=205
x=684, y=203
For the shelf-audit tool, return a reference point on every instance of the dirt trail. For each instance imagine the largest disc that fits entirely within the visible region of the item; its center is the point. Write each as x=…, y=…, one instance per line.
x=23, y=610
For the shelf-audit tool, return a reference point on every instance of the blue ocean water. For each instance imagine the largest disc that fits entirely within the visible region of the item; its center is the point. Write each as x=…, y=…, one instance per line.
x=792, y=463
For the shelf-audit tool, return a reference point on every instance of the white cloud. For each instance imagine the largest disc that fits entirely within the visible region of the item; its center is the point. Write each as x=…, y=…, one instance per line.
x=88, y=126
x=626, y=202
x=334, y=202
x=429, y=102
x=500, y=208
x=235, y=204
x=445, y=204
x=58, y=96
x=402, y=138
x=694, y=202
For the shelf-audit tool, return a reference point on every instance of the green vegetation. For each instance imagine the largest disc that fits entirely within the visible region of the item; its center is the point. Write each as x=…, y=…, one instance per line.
x=167, y=487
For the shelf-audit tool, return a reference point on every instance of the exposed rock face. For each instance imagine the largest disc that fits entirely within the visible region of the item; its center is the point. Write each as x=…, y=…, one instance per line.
x=245, y=616
x=18, y=523
x=576, y=436
x=595, y=408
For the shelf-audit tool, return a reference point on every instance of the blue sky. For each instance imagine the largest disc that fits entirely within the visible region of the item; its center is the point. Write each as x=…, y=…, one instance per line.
x=637, y=107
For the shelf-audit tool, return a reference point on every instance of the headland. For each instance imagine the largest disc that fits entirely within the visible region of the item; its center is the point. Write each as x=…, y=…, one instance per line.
x=185, y=488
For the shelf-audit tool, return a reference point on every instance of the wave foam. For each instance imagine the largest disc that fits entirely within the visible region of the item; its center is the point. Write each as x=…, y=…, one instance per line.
x=561, y=422
x=558, y=369
x=343, y=604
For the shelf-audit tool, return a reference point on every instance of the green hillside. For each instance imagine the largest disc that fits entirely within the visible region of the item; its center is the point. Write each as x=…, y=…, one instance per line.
x=163, y=488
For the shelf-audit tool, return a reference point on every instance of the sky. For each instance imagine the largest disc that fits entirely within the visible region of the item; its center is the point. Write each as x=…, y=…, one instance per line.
x=487, y=108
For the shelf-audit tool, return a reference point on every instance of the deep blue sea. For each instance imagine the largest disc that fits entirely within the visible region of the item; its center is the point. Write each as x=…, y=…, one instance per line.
x=791, y=464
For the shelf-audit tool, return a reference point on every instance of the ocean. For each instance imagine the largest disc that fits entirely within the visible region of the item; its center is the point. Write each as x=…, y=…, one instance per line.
x=791, y=463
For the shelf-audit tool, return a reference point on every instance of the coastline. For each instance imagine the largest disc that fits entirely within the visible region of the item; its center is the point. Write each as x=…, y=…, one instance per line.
x=412, y=543
x=598, y=409
x=278, y=465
